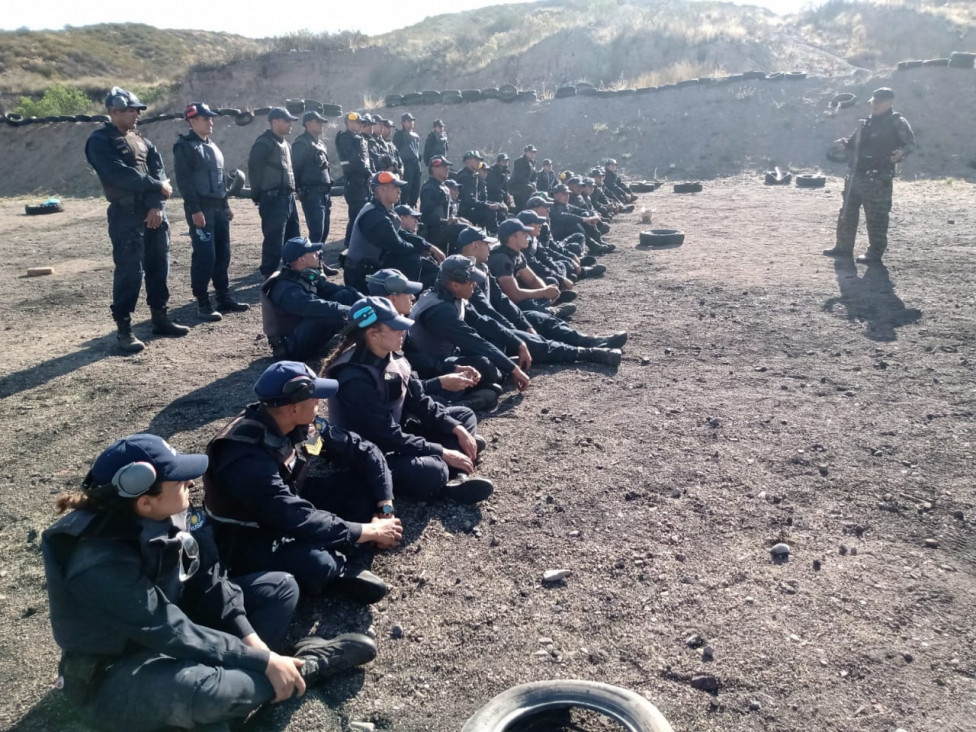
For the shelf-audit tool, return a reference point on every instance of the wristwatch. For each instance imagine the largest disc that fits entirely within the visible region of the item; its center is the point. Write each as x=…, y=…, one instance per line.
x=386, y=509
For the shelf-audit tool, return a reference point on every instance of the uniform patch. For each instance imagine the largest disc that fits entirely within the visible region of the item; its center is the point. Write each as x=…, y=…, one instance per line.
x=195, y=519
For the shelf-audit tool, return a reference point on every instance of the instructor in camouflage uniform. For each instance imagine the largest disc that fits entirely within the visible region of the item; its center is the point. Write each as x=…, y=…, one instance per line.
x=877, y=145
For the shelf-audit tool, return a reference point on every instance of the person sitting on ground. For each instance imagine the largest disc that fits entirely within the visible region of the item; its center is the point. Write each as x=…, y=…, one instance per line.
x=615, y=183
x=423, y=269
x=449, y=381
x=153, y=633
x=547, y=178
x=522, y=183
x=507, y=263
x=475, y=207
x=439, y=215
x=375, y=235
x=554, y=264
x=431, y=449
x=269, y=513
x=600, y=197
x=567, y=220
x=547, y=338
x=300, y=309
x=496, y=181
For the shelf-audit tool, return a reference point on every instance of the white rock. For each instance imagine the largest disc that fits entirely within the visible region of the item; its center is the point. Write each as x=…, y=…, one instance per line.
x=555, y=575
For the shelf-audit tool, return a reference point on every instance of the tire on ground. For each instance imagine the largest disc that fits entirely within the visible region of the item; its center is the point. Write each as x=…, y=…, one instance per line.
x=393, y=100
x=935, y=62
x=312, y=105
x=507, y=92
x=295, y=106
x=810, y=180
x=431, y=96
x=796, y=75
x=643, y=186
x=261, y=111
x=961, y=60
x=842, y=101
x=236, y=180
x=41, y=209
x=775, y=76
x=688, y=187
x=565, y=91
x=521, y=703
x=331, y=110
x=246, y=117
x=662, y=238
x=490, y=93
x=528, y=95
x=411, y=98
x=451, y=96
x=783, y=179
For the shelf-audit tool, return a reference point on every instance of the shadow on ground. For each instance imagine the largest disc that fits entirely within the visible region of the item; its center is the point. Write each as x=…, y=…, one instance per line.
x=871, y=298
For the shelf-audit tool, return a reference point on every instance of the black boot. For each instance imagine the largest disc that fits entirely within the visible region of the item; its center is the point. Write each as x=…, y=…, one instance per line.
x=465, y=489
x=606, y=356
x=617, y=340
x=563, y=311
x=566, y=296
x=227, y=304
x=477, y=400
x=360, y=585
x=162, y=325
x=324, y=658
x=279, y=348
x=205, y=310
x=596, y=270
x=127, y=342
x=588, y=261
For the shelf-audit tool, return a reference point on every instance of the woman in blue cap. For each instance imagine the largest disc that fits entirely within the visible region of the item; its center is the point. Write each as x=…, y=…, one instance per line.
x=153, y=633
x=430, y=448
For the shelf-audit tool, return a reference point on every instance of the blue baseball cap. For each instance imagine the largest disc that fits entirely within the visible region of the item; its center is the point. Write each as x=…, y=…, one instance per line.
x=119, y=98
x=297, y=247
x=511, y=226
x=458, y=268
x=372, y=310
x=391, y=282
x=405, y=210
x=290, y=382
x=528, y=217
x=167, y=463
x=281, y=113
x=538, y=201
x=470, y=235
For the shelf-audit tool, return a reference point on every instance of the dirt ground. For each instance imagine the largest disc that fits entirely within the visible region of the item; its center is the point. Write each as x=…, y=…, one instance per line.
x=766, y=395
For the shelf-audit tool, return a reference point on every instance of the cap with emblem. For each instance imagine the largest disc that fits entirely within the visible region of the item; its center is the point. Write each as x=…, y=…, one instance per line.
x=372, y=310
x=406, y=116
x=119, y=98
x=313, y=116
x=473, y=155
x=391, y=282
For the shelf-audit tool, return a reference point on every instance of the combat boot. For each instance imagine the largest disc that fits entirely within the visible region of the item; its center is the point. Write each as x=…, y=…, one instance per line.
x=205, y=310
x=227, y=304
x=326, y=657
x=596, y=270
x=566, y=296
x=478, y=400
x=162, y=325
x=127, y=342
x=606, y=356
x=588, y=261
x=465, y=489
x=279, y=347
x=360, y=585
x=617, y=340
x=563, y=311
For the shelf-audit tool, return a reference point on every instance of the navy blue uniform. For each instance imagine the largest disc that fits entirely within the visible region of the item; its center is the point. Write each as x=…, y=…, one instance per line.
x=357, y=169
x=522, y=182
x=310, y=161
x=381, y=399
x=131, y=172
x=147, y=642
x=268, y=514
x=273, y=189
x=435, y=144
x=199, y=168
x=377, y=242
x=407, y=143
x=305, y=310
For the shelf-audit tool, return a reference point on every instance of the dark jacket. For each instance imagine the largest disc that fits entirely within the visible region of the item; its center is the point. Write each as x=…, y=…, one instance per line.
x=523, y=172
x=434, y=145
x=269, y=166
x=354, y=157
x=879, y=137
x=497, y=183
x=115, y=589
x=199, y=168
x=289, y=296
x=366, y=406
x=408, y=145
x=255, y=477
x=310, y=161
x=129, y=167
x=435, y=204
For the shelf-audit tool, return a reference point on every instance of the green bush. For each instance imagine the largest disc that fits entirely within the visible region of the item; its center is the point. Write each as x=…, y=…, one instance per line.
x=57, y=100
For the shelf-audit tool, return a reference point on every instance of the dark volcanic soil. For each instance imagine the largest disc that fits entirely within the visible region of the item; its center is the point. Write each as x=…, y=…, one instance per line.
x=766, y=396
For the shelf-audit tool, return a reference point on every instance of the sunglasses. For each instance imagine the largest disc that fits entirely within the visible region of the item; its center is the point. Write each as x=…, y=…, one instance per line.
x=189, y=555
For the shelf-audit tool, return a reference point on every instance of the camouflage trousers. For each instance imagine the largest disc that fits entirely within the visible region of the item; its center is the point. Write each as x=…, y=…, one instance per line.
x=874, y=194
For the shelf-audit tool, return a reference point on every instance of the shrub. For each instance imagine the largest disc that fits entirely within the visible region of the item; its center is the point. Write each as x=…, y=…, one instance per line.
x=56, y=100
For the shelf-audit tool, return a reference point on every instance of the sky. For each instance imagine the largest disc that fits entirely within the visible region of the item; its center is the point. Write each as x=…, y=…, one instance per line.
x=260, y=20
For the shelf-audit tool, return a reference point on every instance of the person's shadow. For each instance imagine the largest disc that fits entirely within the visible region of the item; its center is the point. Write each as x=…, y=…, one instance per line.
x=871, y=298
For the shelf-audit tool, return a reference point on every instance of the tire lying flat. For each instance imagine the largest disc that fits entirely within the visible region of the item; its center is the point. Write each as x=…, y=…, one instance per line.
x=692, y=187
x=662, y=238
x=810, y=180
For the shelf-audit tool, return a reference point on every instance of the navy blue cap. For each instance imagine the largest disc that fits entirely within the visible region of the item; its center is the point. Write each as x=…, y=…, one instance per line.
x=537, y=201
x=458, y=268
x=167, y=463
x=407, y=116
x=451, y=183
x=574, y=181
x=281, y=113
x=597, y=172
x=119, y=98
x=473, y=155
x=589, y=182
x=371, y=310
x=391, y=282
x=511, y=226
x=530, y=148
x=297, y=247
x=547, y=161
x=528, y=217
x=313, y=116
x=501, y=157
x=469, y=235
x=609, y=161
x=561, y=188
x=880, y=95
x=438, y=123
x=405, y=210
x=198, y=109
x=290, y=382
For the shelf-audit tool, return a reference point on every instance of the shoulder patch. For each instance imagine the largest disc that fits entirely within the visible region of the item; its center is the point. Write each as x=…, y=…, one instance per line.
x=195, y=519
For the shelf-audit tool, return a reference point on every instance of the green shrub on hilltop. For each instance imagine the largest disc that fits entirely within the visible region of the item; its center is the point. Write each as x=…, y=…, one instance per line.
x=56, y=100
